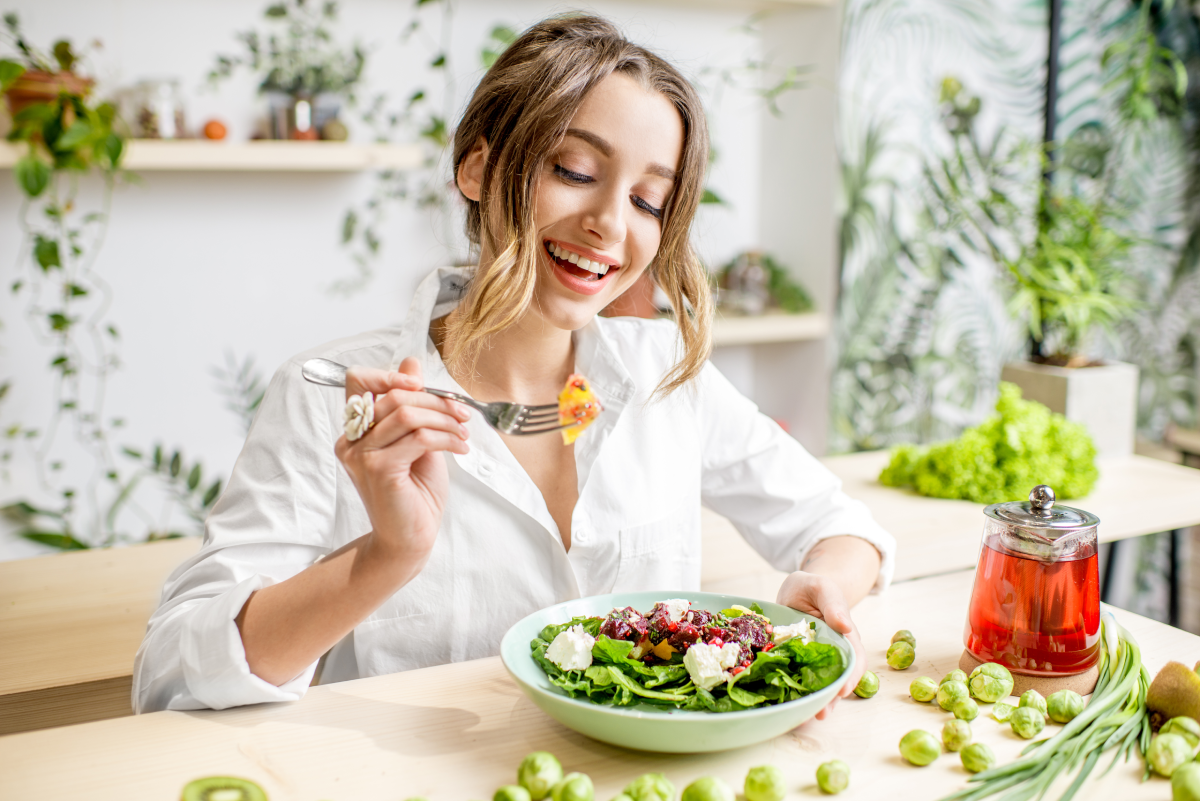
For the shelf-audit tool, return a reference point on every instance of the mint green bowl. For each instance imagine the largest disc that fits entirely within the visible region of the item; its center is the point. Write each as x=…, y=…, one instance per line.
x=648, y=728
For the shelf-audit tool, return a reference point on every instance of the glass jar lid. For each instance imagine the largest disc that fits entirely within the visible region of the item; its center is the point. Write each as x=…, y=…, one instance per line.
x=1040, y=514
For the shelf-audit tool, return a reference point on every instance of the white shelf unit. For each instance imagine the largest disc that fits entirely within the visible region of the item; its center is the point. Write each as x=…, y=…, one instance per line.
x=198, y=155
x=769, y=328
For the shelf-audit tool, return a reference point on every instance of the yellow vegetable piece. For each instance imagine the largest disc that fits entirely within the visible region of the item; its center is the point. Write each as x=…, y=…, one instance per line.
x=577, y=404
x=663, y=650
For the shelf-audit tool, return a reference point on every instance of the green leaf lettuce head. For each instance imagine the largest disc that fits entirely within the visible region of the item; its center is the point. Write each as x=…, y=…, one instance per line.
x=1024, y=444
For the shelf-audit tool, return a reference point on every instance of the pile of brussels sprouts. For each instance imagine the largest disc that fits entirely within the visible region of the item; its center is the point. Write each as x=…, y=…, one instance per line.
x=540, y=777
x=959, y=694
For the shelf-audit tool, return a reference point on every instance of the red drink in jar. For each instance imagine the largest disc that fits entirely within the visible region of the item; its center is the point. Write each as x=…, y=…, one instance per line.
x=1035, y=607
x=1034, y=617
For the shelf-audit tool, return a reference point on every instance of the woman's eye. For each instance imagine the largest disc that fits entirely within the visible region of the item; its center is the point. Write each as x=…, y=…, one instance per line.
x=646, y=207
x=573, y=177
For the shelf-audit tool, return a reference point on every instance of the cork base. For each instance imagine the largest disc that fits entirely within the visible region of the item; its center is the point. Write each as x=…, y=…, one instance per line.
x=1082, y=683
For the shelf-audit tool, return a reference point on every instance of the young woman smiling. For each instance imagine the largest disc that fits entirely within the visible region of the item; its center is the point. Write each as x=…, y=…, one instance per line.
x=581, y=158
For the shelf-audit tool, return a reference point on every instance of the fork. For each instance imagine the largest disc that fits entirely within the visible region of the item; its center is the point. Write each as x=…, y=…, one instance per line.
x=507, y=418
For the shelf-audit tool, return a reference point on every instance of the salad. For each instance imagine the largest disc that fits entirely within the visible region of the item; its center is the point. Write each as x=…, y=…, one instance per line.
x=677, y=656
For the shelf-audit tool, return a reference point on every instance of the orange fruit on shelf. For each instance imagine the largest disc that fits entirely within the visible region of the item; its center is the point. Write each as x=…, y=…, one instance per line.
x=215, y=130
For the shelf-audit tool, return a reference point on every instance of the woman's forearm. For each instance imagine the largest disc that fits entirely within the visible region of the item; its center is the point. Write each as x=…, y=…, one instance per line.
x=288, y=626
x=850, y=562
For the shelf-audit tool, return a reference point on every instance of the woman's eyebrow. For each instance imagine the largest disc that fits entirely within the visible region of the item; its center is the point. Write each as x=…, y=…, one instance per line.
x=604, y=147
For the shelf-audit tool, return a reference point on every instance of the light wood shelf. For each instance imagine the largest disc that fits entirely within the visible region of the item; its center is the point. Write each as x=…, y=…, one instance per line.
x=768, y=328
x=197, y=155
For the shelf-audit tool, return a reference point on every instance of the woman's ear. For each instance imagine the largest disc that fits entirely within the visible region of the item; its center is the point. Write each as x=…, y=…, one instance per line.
x=470, y=172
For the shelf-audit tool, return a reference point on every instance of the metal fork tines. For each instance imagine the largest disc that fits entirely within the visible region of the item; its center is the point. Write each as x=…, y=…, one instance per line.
x=507, y=418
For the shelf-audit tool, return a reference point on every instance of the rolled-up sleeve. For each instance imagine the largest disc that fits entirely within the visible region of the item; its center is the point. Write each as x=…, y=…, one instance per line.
x=780, y=498
x=274, y=519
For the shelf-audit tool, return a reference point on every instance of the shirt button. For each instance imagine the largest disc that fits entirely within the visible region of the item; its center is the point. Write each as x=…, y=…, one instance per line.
x=580, y=534
x=485, y=468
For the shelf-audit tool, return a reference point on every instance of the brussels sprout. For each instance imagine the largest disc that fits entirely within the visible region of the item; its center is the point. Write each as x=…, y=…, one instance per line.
x=990, y=682
x=573, y=787
x=1002, y=712
x=707, y=788
x=956, y=734
x=1034, y=700
x=900, y=655
x=977, y=757
x=650, y=787
x=511, y=792
x=1185, y=783
x=1026, y=721
x=1064, y=705
x=765, y=783
x=538, y=773
x=1168, y=752
x=923, y=689
x=833, y=776
x=1185, y=727
x=919, y=747
x=954, y=675
x=966, y=709
x=904, y=635
x=868, y=685
x=951, y=693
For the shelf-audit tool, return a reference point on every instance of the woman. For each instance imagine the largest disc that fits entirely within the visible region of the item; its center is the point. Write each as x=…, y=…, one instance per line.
x=581, y=160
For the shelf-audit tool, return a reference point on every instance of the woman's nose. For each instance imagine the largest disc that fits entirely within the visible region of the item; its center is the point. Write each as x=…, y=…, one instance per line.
x=605, y=217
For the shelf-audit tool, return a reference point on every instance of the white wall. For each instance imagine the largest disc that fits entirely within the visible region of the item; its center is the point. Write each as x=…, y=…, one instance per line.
x=202, y=264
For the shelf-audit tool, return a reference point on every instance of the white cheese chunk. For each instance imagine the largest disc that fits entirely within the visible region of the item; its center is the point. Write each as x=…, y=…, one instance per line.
x=572, y=649
x=802, y=630
x=708, y=665
x=676, y=609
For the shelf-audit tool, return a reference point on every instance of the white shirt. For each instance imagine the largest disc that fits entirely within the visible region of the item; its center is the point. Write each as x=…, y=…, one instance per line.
x=644, y=470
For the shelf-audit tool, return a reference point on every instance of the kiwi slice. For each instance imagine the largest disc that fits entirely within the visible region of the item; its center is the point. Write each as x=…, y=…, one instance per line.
x=1175, y=692
x=222, y=788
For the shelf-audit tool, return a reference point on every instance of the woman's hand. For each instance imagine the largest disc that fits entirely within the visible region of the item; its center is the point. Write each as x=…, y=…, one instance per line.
x=821, y=597
x=396, y=466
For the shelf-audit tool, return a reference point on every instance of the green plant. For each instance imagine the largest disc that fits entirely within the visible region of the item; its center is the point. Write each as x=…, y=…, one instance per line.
x=298, y=55
x=1072, y=279
x=1023, y=444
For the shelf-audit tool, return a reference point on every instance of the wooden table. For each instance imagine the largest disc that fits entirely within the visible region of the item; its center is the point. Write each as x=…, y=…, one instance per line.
x=458, y=732
x=70, y=625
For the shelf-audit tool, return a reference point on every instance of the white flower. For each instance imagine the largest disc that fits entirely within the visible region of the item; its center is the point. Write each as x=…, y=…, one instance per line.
x=572, y=649
x=708, y=665
x=359, y=415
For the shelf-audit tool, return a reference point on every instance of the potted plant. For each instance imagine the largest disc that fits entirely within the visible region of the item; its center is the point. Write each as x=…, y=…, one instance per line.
x=305, y=74
x=1068, y=284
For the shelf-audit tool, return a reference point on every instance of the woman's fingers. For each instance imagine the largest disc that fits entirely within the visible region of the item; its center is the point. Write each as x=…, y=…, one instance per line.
x=397, y=398
x=380, y=382
x=406, y=419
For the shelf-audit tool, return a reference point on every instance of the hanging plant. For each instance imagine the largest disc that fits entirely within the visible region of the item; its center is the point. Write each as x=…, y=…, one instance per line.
x=67, y=136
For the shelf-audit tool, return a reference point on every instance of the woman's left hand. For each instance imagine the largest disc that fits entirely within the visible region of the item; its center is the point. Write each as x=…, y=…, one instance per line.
x=821, y=597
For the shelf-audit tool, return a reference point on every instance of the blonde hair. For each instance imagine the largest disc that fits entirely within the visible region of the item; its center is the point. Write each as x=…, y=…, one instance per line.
x=522, y=109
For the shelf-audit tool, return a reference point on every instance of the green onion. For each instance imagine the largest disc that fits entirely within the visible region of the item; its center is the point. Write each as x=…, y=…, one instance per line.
x=1115, y=718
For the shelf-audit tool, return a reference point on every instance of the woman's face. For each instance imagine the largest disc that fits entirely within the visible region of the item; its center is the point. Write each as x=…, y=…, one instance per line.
x=600, y=199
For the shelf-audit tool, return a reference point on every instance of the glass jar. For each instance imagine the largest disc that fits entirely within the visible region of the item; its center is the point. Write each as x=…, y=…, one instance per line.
x=158, y=110
x=1035, y=607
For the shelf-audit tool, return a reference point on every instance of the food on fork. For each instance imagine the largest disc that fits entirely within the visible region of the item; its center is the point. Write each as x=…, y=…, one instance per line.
x=577, y=404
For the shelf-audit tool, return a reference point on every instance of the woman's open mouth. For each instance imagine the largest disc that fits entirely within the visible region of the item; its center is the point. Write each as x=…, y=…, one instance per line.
x=577, y=272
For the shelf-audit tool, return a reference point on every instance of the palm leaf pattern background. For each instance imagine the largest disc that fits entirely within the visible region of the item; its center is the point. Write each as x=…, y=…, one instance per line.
x=938, y=193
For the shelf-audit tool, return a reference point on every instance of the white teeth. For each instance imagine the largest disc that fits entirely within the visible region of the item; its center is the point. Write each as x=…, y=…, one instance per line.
x=559, y=252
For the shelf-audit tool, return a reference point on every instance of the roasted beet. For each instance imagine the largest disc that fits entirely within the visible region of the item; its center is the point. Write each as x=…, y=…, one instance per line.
x=750, y=631
x=685, y=637
x=624, y=624
x=699, y=617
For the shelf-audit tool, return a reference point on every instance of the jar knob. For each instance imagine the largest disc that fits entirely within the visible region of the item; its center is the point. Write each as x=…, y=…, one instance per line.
x=1041, y=500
